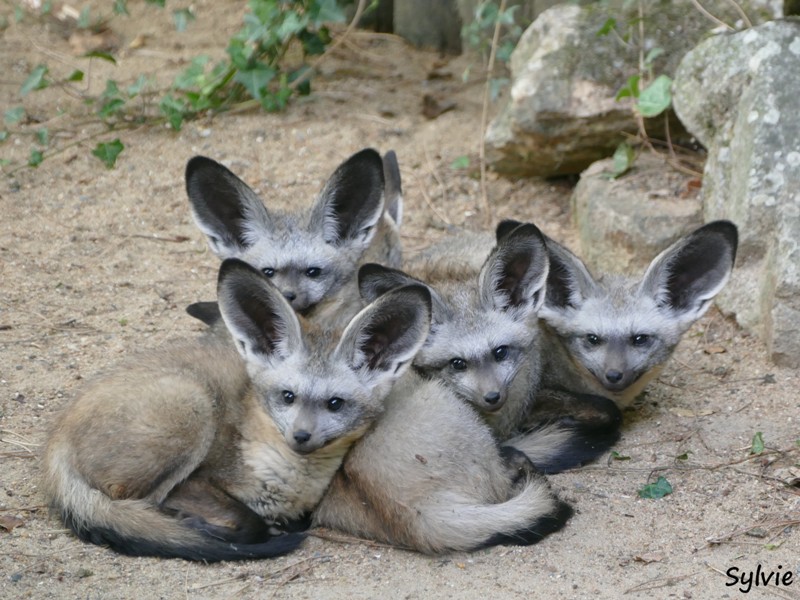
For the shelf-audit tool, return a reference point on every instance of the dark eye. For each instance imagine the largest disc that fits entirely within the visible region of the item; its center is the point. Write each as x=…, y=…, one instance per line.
x=458, y=364
x=593, y=339
x=268, y=271
x=288, y=397
x=500, y=353
x=640, y=339
x=335, y=404
x=313, y=272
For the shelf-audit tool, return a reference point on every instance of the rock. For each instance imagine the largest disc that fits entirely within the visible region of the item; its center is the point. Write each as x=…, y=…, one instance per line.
x=740, y=95
x=623, y=224
x=427, y=24
x=561, y=114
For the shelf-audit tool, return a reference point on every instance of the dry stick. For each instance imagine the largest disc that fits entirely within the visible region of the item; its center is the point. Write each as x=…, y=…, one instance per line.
x=748, y=23
x=487, y=213
x=659, y=582
x=428, y=201
x=702, y=9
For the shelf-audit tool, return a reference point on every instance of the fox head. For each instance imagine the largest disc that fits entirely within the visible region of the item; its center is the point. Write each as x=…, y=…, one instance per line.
x=619, y=332
x=308, y=254
x=321, y=389
x=481, y=338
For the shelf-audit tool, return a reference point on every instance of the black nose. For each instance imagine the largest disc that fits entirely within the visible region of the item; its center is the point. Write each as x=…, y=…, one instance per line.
x=302, y=436
x=492, y=397
x=290, y=296
x=613, y=376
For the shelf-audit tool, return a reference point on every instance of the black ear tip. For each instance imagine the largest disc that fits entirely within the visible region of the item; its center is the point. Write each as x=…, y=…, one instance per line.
x=230, y=267
x=367, y=156
x=198, y=162
x=505, y=227
x=369, y=270
x=421, y=292
x=726, y=229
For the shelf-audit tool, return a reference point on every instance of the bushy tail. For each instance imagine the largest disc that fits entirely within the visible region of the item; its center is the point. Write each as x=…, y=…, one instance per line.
x=137, y=528
x=585, y=429
x=452, y=524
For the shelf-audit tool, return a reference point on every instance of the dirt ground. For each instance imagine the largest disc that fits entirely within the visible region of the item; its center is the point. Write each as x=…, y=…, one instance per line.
x=97, y=262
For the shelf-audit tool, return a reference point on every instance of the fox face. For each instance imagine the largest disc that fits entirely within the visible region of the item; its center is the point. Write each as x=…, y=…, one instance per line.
x=308, y=254
x=482, y=342
x=321, y=390
x=617, y=333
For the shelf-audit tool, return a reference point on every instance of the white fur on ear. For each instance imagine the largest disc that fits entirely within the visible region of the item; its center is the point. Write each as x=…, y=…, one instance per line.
x=261, y=321
x=687, y=276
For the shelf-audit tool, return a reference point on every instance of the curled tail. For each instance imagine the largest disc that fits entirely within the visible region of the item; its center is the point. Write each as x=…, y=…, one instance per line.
x=453, y=524
x=139, y=528
x=581, y=429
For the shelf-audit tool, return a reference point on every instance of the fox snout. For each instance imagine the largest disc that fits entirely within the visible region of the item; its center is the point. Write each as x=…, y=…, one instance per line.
x=493, y=401
x=615, y=380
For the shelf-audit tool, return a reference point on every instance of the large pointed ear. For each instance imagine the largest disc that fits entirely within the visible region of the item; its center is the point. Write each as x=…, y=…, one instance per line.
x=686, y=276
x=351, y=203
x=382, y=339
x=223, y=206
x=515, y=273
x=393, y=187
x=261, y=321
x=375, y=280
x=505, y=227
x=569, y=281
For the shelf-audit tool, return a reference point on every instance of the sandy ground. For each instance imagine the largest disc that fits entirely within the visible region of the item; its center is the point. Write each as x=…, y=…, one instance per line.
x=96, y=262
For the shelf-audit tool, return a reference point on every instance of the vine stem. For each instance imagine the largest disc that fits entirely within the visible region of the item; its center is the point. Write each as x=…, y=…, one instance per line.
x=485, y=207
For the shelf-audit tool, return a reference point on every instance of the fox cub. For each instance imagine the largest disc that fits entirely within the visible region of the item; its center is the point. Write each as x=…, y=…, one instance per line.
x=312, y=255
x=197, y=451
x=612, y=335
x=485, y=344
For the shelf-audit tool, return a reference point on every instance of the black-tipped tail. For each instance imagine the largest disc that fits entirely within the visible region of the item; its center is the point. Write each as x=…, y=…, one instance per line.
x=537, y=531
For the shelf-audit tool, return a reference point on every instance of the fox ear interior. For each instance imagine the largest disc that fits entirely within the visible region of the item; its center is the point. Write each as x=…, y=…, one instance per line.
x=568, y=281
x=375, y=280
x=223, y=206
x=351, y=203
x=393, y=187
x=686, y=276
x=382, y=339
x=515, y=273
x=259, y=318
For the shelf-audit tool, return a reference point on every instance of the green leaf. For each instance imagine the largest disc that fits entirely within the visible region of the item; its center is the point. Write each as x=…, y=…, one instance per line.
x=630, y=89
x=291, y=26
x=84, y=19
x=608, y=27
x=112, y=90
x=76, y=76
x=111, y=108
x=656, y=490
x=622, y=160
x=656, y=97
x=193, y=76
x=174, y=110
x=651, y=56
x=617, y=456
x=327, y=11
x=137, y=86
x=121, y=7
x=101, y=55
x=14, y=115
x=35, y=158
x=462, y=162
x=108, y=152
x=156, y=2
x=684, y=456
x=3, y=135
x=757, y=446
x=313, y=43
x=255, y=80
x=35, y=81
x=182, y=18
x=42, y=136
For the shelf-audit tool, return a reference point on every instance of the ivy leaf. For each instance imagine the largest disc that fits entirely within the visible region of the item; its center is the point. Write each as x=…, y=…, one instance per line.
x=757, y=446
x=630, y=89
x=462, y=162
x=156, y=2
x=656, y=490
x=607, y=27
x=174, y=110
x=76, y=76
x=35, y=158
x=656, y=97
x=617, y=456
x=108, y=152
x=14, y=115
x=255, y=80
x=121, y=7
x=101, y=55
x=622, y=160
x=42, y=136
x=35, y=81
x=137, y=86
x=182, y=18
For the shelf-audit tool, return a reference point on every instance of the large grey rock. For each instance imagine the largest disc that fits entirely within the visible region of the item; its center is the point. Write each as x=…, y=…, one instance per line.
x=561, y=114
x=740, y=95
x=624, y=223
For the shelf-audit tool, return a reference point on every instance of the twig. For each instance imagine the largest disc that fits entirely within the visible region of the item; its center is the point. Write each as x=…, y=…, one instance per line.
x=748, y=23
x=659, y=582
x=486, y=209
x=702, y=9
x=428, y=201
